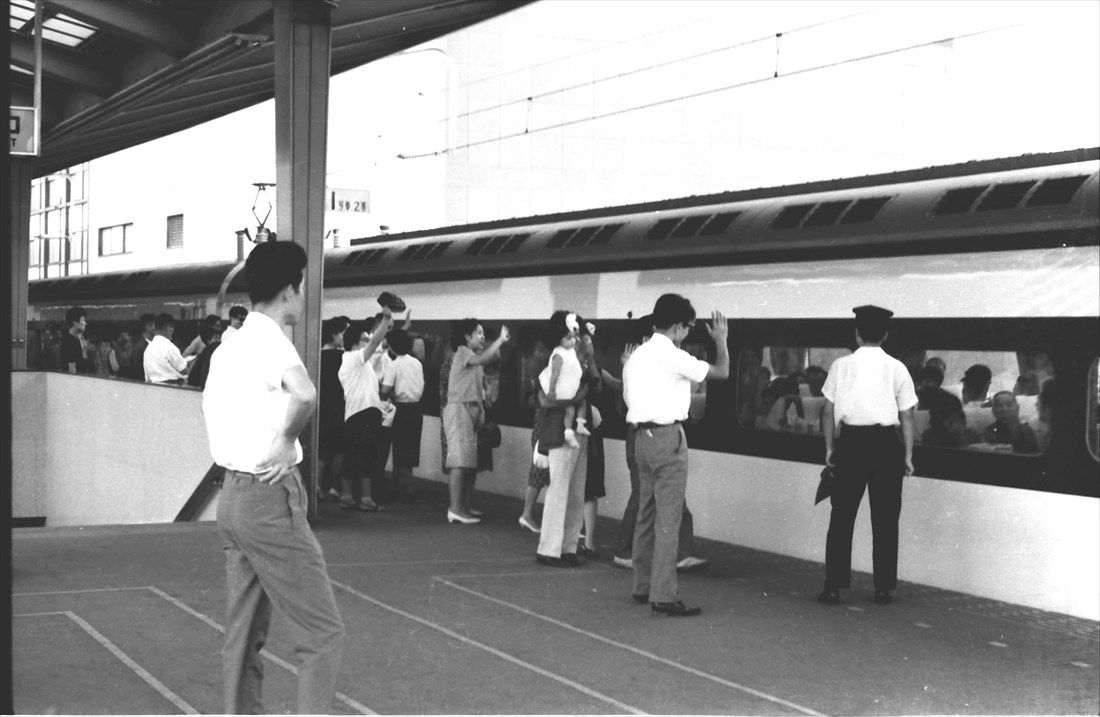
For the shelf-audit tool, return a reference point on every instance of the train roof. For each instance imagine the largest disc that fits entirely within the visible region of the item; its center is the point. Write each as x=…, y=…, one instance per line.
x=1032, y=201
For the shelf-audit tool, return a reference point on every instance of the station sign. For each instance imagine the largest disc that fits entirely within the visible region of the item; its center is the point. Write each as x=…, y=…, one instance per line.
x=356, y=201
x=21, y=134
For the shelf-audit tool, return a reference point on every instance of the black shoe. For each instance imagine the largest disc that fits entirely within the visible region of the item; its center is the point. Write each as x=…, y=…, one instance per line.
x=571, y=560
x=641, y=599
x=829, y=596
x=882, y=597
x=551, y=561
x=675, y=609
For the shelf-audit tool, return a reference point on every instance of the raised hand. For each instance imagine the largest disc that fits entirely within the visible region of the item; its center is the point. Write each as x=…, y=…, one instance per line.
x=504, y=335
x=718, y=329
x=627, y=350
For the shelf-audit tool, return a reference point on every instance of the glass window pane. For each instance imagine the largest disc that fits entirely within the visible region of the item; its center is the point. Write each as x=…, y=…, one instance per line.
x=985, y=400
x=76, y=187
x=779, y=387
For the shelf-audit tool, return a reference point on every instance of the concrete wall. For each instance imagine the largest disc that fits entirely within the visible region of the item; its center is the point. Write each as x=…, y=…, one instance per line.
x=1026, y=547
x=90, y=451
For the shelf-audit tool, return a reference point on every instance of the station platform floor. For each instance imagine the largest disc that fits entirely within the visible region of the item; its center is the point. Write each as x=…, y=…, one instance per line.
x=460, y=619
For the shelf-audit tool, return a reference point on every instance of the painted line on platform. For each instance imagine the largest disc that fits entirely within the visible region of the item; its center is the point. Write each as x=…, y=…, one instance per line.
x=621, y=706
x=510, y=574
x=636, y=650
x=425, y=562
x=115, y=650
x=84, y=590
x=359, y=707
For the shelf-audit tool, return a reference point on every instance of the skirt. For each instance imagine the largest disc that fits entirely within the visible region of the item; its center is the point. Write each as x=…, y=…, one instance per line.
x=460, y=423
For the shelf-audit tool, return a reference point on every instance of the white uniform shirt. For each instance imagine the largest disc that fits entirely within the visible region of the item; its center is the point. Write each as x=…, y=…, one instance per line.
x=244, y=402
x=569, y=378
x=229, y=331
x=360, y=383
x=657, y=381
x=868, y=388
x=406, y=375
x=163, y=361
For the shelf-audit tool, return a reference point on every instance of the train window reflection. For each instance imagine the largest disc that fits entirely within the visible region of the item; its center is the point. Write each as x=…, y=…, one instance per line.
x=998, y=401
x=779, y=387
x=1092, y=430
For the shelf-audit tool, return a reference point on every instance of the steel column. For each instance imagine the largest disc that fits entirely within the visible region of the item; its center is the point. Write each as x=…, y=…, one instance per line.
x=303, y=43
x=20, y=174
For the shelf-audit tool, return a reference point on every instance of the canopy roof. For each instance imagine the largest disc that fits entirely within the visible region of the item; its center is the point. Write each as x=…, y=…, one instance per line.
x=117, y=73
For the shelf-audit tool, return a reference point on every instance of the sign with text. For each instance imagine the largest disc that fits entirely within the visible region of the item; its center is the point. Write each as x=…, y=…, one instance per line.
x=349, y=200
x=21, y=131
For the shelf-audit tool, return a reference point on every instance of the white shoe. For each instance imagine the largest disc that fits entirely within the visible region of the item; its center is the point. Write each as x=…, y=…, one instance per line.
x=582, y=430
x=571, y=439
x=475, y=513
x=692, y=563
x=333, y=494
x=453, y=517
x=623, y=562
x=529, y=525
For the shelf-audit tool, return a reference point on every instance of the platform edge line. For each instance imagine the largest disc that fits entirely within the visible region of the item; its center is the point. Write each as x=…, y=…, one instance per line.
x=129, y=662
x=637, y=650
x=349, y=701
x=491, y=650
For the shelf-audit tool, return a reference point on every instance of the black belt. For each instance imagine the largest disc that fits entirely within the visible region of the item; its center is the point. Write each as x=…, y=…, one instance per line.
x=649, y=425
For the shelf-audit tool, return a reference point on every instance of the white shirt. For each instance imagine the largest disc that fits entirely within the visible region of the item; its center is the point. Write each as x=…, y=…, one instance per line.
x=569, y=377
x=229, y=331
x=163, y=361
x=360, y=383
x=869, y=387
x=657, y=381
x=406, y=375
x=244, y=403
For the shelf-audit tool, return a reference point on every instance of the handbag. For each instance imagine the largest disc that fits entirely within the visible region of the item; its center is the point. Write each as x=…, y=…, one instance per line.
x=825, y=485
x=489, y=435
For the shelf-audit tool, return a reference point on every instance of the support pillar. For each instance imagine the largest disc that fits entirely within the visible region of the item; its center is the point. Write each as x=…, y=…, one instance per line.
x=19, y=255
x=303, y=44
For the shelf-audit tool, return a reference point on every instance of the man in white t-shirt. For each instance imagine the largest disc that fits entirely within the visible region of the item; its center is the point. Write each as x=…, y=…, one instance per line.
x=403, y=383
x=657, y=382
x=162, y=360
x=868, y=393
x=258, y=399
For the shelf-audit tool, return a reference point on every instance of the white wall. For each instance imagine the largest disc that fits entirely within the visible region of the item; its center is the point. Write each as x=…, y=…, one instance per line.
x=1037, y=549
x=89, y=451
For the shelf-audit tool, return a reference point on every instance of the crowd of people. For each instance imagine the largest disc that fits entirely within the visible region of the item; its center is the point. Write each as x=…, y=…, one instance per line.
x=152, y=357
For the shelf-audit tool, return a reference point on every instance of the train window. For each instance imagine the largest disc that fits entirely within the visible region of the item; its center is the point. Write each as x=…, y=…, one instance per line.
x=1092, y=432
x=779, y=387
x=983, y=400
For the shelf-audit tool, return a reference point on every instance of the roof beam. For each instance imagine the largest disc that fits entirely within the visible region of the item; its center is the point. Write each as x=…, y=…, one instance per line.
x=140, y=22
x=61, y=64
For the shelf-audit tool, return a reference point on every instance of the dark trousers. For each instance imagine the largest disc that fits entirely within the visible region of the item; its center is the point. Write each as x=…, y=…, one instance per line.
x=868, y=457
x=630, y=514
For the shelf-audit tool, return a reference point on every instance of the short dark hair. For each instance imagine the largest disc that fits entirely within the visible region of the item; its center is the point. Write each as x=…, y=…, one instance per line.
x=556, y=329
x=977, y=376
x=460, y=330
x=212, y=320
x=147, y=319
x=331, y=327
x=163, y=321
x=208, y=332
x=930, y=372
x=271, y=267
x=672, y=309
x=238, y=312
x=73, y=315
x=400, y=341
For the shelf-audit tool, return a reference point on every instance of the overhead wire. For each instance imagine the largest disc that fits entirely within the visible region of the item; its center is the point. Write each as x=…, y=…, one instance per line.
x=715, y=90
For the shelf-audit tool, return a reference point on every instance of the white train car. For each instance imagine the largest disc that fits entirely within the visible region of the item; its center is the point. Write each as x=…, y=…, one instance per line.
x=993, y=263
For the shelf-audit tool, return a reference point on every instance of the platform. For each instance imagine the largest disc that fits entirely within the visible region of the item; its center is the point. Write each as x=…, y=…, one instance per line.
x=451, y=619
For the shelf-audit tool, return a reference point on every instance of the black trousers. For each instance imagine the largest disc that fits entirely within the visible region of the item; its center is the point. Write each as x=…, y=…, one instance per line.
x=872, y=458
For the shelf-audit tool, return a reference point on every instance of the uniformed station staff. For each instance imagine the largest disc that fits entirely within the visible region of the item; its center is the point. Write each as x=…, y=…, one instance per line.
x=867, y=394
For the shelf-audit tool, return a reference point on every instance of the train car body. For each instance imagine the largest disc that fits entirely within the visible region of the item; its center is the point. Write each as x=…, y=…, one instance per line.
x=992, y=263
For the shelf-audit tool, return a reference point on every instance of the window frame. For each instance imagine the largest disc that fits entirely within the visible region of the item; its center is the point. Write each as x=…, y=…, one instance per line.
x=126, y=228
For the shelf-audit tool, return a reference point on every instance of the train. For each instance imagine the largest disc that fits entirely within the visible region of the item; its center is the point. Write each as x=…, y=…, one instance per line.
x=992, y=262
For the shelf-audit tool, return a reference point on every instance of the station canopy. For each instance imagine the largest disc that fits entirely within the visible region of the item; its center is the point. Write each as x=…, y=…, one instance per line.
x=117, y=73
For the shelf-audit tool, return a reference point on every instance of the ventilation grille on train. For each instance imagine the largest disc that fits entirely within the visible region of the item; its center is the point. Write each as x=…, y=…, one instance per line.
x=423, y=252
x=363, y=256
x=825, y=214
x=699, y=225
x=506, y=244
x=1011, y=195
x=583, y=236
